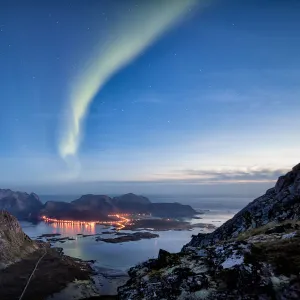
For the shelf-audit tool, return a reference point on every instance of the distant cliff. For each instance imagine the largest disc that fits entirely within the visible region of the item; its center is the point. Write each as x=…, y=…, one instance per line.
x=255, y=255
x=22, y=205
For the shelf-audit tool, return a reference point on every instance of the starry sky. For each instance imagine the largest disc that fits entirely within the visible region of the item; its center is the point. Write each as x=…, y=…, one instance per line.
x=185, y=96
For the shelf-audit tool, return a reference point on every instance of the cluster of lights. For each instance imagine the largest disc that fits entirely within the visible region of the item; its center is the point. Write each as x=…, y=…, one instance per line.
x=120, y=224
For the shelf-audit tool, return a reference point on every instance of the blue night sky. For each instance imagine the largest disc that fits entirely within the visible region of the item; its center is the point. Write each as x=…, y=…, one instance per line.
x=154, y=96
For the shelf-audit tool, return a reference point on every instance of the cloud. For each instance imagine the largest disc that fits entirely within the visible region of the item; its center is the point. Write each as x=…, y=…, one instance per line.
x=251, y=174
x=130, y=37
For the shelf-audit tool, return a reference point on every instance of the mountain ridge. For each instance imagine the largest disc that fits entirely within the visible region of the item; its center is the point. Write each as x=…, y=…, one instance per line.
x=87, y=207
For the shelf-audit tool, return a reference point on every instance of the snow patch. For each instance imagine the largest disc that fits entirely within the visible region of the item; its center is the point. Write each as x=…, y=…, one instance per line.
x=219, y=249
x=232, y=261
x=289, y=235
x=202, y=253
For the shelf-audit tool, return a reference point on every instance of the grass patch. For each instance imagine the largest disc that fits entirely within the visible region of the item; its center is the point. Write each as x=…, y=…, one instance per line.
x=256, y=231
x=283, y=255
x=263, y=229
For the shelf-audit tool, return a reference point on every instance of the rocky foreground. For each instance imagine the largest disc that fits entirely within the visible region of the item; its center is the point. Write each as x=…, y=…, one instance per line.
x=18, y=257
x=14, y=243
x=255, y=255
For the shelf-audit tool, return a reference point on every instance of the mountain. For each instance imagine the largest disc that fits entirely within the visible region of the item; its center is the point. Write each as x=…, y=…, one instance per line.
x=175, y=210
x=131, y=203
x=102, y=203
x=255, y=255
x=95, y=207
x=22, y=205
x=131, y=198
x=88, y=207
x=14, y=243
x=84, y=211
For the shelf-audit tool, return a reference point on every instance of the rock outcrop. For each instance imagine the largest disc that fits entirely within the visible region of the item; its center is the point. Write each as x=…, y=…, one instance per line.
x=255, y=255
x=22, y=205
x=19, y=256
x=264, y=266
x=14, y=243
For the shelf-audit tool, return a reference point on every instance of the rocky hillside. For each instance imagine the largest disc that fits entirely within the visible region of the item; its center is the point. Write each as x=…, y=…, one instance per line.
x=56, y=271
x=14, y=243
x=255, y=255
x=279, y=203
x=264, y=266
x=22, y=205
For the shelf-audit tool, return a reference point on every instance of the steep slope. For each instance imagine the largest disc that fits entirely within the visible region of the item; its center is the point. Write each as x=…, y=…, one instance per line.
x=14, y=243
x=279, y=203
x=255, y=255
x=22, y=205
x=19, y=256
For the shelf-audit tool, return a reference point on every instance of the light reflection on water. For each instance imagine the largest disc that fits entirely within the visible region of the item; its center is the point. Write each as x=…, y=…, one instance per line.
x=71, y=229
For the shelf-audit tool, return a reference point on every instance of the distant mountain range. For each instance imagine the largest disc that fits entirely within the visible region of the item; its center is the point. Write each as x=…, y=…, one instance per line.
x=88, y=207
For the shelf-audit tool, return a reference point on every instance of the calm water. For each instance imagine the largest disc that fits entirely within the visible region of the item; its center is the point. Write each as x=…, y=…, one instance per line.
x=122, y=256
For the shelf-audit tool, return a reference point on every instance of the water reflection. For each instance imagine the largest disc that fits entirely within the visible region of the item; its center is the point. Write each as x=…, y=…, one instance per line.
x=73, y=228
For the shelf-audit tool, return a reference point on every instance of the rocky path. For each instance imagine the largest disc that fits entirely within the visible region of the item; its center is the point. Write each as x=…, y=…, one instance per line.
x=29, y=279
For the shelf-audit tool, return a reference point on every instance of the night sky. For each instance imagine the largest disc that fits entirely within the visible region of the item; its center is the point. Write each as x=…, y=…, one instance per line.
x=144, y=96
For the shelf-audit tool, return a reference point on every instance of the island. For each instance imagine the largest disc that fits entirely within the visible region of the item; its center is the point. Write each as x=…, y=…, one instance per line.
x=129, y=237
